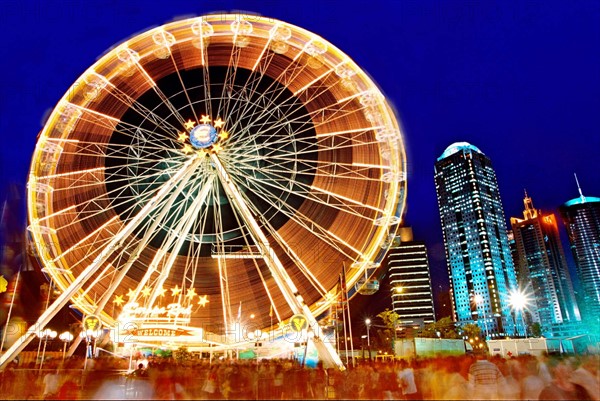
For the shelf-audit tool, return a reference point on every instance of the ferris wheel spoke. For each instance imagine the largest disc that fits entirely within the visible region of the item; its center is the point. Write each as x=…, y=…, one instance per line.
x=164, y=204
x=248, y=90
x=159, y=92
x=90, y=209
x=221, y=262
x=170, y=207
x=272, y=260
x=342, y=203
x=301, y=220
x=308, y=121
x=185, y=91
x=192, y=263
x=111, y=123
x=112, y=90
x=289, y=250
x=292, y=109
x=175, y=240
x=288, y=75
x=228, y=83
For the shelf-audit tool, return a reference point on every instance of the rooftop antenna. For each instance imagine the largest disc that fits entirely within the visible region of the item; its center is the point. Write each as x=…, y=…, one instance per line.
x=579, y=188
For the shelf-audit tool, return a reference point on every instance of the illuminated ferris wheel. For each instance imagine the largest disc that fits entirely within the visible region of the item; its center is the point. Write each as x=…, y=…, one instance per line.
x=216, y=165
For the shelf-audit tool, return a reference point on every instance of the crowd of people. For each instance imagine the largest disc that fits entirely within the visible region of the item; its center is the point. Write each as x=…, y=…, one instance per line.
x=441, y=378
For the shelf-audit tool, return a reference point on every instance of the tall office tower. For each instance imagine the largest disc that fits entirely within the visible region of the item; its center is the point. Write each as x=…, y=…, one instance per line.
x=481, y=269
x=543, y=271
x=408, y=269
x=582, y=220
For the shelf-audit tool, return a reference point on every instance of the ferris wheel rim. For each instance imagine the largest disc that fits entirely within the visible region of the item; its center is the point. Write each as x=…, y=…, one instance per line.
x=389, y=215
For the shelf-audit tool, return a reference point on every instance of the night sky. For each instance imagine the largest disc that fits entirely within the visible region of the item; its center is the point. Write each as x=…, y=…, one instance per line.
x=519, y=80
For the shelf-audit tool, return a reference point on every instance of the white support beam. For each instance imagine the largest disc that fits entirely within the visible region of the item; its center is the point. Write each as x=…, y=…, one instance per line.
x=283, y=280
x=76, y=285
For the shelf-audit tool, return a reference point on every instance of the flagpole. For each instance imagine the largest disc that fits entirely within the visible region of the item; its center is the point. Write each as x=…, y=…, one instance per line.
x=349, y=317
x=343, y=290
x=12, y=301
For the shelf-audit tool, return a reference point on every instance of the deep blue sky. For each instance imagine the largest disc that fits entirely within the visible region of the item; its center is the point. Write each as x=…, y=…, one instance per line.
x=520, y=80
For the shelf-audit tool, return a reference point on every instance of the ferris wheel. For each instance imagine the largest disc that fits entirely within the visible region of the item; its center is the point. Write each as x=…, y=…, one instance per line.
x=223, y=165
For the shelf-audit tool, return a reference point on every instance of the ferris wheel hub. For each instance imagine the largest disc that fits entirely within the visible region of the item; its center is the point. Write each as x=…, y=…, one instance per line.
x=203, y=136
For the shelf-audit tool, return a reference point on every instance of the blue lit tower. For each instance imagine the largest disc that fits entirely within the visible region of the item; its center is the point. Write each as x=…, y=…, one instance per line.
x=544, y=272
x=481, y=269
x=582, y=220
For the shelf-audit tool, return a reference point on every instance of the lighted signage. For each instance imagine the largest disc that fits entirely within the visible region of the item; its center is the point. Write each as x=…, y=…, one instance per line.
x=298, y=323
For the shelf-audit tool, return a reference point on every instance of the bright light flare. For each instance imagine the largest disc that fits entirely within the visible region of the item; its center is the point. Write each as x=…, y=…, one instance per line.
x=518, y=300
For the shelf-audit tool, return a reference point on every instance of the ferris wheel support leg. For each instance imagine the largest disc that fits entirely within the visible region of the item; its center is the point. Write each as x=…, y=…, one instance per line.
x=125, y=268
x=284, y=282
x=76, y=285
x=179, y=236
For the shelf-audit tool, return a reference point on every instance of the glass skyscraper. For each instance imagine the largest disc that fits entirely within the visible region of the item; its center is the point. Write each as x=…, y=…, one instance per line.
x=543, y=271
x=582, y=220
x=481, y=269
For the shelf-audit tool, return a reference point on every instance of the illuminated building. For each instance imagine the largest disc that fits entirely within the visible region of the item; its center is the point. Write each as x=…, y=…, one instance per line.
x=481, y=269
x=410, y=279
x=582, y=220
x=543, y=270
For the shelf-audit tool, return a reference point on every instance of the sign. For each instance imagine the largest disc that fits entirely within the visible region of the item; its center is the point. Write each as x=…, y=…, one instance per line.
x=160, y=332
x=298, y=323
x=92, y=322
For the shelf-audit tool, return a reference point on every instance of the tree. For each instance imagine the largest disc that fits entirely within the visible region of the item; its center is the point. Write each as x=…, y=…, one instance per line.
x=387, y=336
x=471, y=330
x=182, y=355
x=535, y=329
x=389, y=318
x=445, y=327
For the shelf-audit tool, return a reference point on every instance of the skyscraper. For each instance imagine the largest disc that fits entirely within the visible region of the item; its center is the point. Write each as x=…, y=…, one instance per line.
x=543, y=270
x=408, y=269
x=481, y=269
x=582, y=220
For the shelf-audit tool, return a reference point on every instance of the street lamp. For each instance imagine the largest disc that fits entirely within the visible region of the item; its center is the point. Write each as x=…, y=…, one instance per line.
x=478, y=300
x=65, y=337
x=519, y=301
x=89, y=336
x=368, y=323
x=45, y=335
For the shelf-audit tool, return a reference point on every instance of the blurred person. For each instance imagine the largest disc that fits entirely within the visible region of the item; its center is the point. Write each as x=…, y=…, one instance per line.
x=277, y=392
x=532, y=384
x=587, y=376
x=454, y=385
x=406, y=381
x=51, y=384
x=561, y=387
x=69, y=389
x=485, y=378
x=140, y=371
x=543, y=369
x=512, y=373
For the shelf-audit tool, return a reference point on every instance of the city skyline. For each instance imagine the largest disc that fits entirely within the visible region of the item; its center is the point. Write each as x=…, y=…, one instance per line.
x=517, y=81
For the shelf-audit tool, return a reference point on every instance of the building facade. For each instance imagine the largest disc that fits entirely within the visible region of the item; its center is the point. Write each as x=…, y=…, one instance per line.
x=410, y=280
x=543, y=271
x=480, y=265
x=582, y=220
